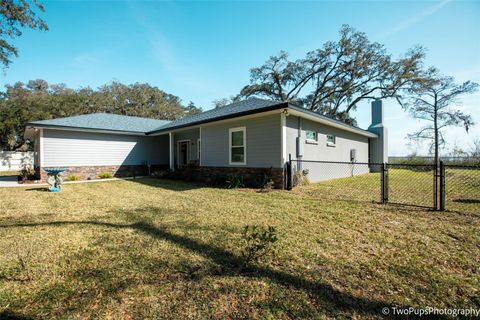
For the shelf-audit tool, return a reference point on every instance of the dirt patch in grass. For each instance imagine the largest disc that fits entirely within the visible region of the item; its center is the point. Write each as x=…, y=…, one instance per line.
x=149, y=248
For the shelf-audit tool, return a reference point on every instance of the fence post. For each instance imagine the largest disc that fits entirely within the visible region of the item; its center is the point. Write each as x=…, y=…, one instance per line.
x=289, y=172
x=435, y=186
x=384, y=178
x=442, y=186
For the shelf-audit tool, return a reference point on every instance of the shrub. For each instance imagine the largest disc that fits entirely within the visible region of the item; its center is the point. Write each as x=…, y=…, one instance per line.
x=27, y=173
x=219, y=180
x=268, y=186
x=105, y=175
x=258, y=242
x=73, y=178
x=128, y=174
x=300, y=178
x=234, y=181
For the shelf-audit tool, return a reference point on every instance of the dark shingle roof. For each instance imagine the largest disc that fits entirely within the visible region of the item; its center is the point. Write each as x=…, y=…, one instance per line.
x=251, y=105
x=103, y=121
x=113, y=122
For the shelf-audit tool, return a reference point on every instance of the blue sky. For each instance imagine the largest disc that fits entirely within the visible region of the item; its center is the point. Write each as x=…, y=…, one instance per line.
x=202, y=51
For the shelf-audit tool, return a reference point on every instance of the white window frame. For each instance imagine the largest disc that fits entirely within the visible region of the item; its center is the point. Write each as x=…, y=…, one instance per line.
x=307, y=140
x=331, y=144
x=230, y=131
x=189, y=150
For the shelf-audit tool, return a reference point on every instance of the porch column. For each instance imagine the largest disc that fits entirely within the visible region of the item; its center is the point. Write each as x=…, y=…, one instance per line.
x=172, y=150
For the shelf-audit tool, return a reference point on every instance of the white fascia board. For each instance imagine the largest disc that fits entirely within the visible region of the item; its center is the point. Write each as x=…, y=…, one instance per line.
x=250, y=116
x=89, y=130
x=332, y=123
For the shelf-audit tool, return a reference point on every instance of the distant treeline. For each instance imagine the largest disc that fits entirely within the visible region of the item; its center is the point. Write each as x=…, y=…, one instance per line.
x=464, y=160
x=38, y=100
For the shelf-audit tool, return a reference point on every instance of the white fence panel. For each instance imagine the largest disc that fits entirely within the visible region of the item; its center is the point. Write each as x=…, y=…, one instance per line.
x=12, y=160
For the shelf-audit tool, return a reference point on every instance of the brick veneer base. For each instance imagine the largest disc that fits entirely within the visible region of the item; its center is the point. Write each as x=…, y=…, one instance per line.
x=252, y=177
x=92, y=172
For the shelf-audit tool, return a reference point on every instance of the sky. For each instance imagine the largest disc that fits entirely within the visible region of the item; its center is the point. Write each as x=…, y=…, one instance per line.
x=203, y=51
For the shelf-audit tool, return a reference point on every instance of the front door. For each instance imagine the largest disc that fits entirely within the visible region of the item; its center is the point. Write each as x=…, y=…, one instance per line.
x=183, y=153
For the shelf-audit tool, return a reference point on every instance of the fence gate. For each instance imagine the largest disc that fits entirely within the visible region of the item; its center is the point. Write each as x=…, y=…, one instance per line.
x=446, y=186
x=413, y=184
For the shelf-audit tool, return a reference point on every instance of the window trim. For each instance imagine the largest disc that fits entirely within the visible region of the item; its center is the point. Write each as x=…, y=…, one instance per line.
x=311, y=141
x=331, y=144
x=189, y=150
x=244, y=131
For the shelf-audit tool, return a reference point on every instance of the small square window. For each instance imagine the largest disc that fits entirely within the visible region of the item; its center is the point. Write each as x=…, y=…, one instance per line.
x=330, y=139
x=311, y=136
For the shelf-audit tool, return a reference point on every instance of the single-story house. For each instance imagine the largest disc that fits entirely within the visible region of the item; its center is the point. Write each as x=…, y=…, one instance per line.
x=246, y=138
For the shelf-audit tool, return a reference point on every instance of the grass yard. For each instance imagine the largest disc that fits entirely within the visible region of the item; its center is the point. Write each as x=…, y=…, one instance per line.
x=8, y=173
x=150, y=248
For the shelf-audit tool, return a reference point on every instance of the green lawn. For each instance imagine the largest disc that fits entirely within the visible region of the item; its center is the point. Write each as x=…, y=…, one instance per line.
x=150, y=248
x=8, y=173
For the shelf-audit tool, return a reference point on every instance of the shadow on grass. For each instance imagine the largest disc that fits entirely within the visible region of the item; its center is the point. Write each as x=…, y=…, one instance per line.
x=469, y=201
x=39, y=189
x=9, y=315
x=169, y=184
x=230, y=265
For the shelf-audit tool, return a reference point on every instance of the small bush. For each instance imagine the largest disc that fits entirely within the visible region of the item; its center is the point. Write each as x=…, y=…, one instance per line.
x=268, y=186
x=128, y=174
x=105, y=175
x=73, y=178
x=27, y=173
x=258, y=242
x=234, y=181
x=300, y=178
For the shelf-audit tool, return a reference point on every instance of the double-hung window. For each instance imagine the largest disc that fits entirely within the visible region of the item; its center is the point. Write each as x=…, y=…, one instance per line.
x=311, y=136
x=330, y=140
x=237, y=145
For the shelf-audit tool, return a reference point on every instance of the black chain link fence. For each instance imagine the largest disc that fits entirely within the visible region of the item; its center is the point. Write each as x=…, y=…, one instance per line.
x=451, y=187
x=338, y=180
x=412, y=184
x=462, y=188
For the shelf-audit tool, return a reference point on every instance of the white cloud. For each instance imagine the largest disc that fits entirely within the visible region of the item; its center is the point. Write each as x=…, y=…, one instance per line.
x=410, y=21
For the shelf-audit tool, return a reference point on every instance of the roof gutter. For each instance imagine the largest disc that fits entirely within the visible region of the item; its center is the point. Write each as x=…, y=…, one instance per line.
x=293, y=109
x=313, y=116
x=83, y=129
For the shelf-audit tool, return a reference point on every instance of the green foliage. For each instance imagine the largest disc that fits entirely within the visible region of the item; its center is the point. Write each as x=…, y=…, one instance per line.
x=268, y=185
x=300, y=178
x=128, y=174
x=38, y=100
x=27, y=173
x=430, y=98
x=15, y=15
x=258, y=242
x=73, y=177
x=333, y=79
x=105, y=175
x=234, y=181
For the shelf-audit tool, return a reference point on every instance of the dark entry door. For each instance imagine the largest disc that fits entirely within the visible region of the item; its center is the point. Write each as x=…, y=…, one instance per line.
x=183, y=153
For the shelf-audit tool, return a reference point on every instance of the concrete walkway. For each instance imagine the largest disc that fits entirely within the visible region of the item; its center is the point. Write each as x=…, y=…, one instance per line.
x=8, y=181
x=11, y=181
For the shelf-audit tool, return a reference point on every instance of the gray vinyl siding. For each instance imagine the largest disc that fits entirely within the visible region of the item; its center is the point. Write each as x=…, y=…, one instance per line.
x=263, y=137
x=320, y=151
x=193, y=135
x=75, y=148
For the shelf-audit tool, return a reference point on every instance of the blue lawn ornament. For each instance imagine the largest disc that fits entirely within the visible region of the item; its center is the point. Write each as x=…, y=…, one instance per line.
x=54, y=179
